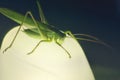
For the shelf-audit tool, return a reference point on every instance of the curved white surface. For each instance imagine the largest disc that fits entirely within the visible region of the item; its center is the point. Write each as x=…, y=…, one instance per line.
x=48, y=62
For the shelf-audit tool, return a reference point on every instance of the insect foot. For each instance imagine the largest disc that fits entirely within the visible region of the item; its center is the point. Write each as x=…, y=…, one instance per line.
x=30, y=52
x=6, y=49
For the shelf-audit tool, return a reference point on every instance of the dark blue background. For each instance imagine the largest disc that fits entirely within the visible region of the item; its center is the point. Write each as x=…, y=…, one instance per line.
x=100, y=18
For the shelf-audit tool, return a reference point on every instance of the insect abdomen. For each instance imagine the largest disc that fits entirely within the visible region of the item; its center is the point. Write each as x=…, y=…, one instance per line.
x=32, y=33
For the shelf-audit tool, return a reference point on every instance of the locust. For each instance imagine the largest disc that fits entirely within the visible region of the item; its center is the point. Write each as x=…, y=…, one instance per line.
x=42, y=30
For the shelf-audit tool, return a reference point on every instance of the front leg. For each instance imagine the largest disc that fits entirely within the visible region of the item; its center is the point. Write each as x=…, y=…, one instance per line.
x=64, y=49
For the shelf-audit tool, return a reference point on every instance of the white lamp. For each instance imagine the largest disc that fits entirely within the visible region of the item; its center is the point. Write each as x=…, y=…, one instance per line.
x=48, y=62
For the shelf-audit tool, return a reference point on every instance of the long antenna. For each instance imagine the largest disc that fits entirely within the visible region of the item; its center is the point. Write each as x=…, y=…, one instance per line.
x=42, y=17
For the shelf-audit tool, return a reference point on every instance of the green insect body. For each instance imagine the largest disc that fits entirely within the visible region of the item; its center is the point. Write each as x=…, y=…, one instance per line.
x=41, y=30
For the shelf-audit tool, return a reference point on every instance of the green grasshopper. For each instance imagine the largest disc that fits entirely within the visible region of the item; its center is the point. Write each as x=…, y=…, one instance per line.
x=41, y=29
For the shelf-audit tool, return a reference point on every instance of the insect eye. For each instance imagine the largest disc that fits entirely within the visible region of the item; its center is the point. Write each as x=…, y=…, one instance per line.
x=68, y=34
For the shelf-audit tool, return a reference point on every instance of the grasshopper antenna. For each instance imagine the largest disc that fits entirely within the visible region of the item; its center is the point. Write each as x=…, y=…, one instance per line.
x=93, y=39
x=42, y=17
